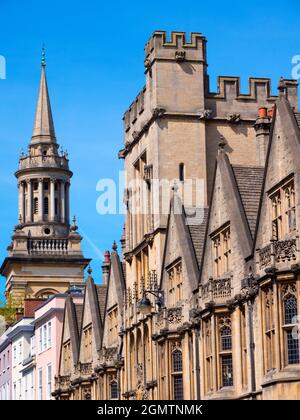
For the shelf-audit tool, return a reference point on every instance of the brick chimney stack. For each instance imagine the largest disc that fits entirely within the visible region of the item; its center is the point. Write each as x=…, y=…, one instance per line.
x=106, y=267
x=262, y=127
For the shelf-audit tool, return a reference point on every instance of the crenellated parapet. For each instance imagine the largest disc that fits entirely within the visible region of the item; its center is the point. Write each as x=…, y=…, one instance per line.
x=177, y=48
x=135, y=110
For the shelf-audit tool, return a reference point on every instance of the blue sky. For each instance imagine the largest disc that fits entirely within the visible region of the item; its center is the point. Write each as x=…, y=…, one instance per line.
x=94, y=53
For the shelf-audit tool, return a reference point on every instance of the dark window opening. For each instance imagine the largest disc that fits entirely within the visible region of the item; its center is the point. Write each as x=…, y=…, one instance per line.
x=46, y=205
x=114, y=390
x=181, y=172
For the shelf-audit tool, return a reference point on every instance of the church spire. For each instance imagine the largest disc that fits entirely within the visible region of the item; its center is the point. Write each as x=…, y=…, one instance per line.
x=43, y=130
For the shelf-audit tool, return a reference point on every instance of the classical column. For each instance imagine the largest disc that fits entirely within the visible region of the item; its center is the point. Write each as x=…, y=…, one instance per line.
x=62, y=202
x=21, y=202
x=29, y=201
x=52, y=199
x=67, y=212
x=41, y=201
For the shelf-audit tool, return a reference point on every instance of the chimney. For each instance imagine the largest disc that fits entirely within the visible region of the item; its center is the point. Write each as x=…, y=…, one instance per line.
x=106, y=267
x=30, y=305
x=19, y=314
x=262, y=127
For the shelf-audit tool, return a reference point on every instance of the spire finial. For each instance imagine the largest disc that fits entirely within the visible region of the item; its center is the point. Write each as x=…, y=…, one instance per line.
x=89, y=270
x=73, y=226
x=43, y=61
x=114, y=247
x=222, y=143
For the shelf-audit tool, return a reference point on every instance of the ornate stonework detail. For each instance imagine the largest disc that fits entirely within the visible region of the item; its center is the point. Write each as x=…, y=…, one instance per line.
x=109, y=354
x=285, y=250
x=279, y=251
x=158, y=112
x=174, y=315
x=217, y=289
x=205, y=114
x=234, y=118
x=180, y=56
x=265, y=256
x=141, y=392
x=224, y=321
x=289, y=289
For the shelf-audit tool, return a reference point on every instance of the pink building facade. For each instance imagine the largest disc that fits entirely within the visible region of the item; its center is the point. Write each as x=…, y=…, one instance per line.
x=48, y=331
x=5, y=366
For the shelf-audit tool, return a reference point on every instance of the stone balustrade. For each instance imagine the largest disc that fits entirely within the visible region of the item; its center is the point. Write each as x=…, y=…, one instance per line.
x=44, y=162
x=48, y=246
x=216, y=290
x=277, y=252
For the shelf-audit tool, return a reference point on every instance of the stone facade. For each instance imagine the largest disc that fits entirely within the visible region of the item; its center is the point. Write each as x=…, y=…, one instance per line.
x=203, y=303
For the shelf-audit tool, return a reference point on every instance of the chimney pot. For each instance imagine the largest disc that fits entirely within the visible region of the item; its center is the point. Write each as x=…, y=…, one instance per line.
x=262, y=112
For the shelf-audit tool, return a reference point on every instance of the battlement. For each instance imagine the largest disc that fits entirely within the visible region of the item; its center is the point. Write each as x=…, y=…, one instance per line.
x=259, y=89
x=177, y=48
x=136, y=108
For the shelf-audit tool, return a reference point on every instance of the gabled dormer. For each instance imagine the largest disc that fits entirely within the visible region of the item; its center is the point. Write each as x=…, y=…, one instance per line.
x=113, y=317
x=91, y=326
x=231, y=226
x=276, y=243
x=182, y=256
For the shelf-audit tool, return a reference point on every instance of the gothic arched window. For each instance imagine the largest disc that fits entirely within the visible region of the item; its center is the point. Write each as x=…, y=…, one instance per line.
x=225, y=352
x=114, y=394
x=290, y=315
x=290, y=309
x=177, y=378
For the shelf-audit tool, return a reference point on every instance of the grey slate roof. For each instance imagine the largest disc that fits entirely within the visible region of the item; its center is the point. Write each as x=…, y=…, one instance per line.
x=78, y=314
x=101, y=295
x=297, y=116
x=249, y=181
x=197, y=232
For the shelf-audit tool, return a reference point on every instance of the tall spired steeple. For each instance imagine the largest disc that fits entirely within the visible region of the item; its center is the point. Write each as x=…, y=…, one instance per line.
x=44, y=243
x=43, y=129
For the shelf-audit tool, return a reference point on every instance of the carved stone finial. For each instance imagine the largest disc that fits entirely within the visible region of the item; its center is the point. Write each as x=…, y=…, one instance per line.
x=43, y=61
x=281, y=86
x=89, y=270
x=21, y=154
x=115, y=247
x=222, y=143
x=74, y=227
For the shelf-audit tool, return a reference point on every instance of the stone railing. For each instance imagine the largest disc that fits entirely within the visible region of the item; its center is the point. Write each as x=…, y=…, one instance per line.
x=277, y=252
x=86, y=369
x=48, y=246
x=44, y=162
x=216, y=290
x=62, y=381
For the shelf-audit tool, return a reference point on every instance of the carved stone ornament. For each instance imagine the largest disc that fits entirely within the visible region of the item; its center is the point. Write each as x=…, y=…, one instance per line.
x=174, y=315
x=158, y=112
x=205, y=114
x=234, y=118
x=180, y=56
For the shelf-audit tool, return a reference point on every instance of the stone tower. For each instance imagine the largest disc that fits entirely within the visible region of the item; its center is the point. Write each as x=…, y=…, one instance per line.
x=45, y=255
x=172, y=131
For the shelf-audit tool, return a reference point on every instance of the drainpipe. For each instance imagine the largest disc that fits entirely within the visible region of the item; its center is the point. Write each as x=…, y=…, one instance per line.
x=252, y=347
x=197, y=367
